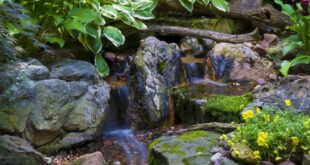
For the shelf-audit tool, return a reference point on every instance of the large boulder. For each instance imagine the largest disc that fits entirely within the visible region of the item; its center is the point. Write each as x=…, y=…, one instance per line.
x=53, y=110
x=189, y=148
x=155, y=70
x=17, y=151
x=236, y=62
x=294, y=88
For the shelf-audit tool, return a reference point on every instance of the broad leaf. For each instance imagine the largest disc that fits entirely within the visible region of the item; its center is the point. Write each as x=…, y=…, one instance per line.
x=102, y=66
x=71, y=24
x=145, y=15
x=206, y=2
x=58, y=40
x=94, y=44
x=114, y=35
x=86, y=16
x=187, y=4
x=220, y=4
x=286, y=65
x=291, y=46
x=109, y=11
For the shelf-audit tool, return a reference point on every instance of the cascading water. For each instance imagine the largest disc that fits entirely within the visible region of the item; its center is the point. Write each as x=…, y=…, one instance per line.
x=117, y=126
x=194, y=68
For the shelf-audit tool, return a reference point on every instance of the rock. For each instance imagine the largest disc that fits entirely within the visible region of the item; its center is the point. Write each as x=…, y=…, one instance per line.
x=191, y=46
x=236, y=62
x=155, y=70
x=17, y=151
x=216, y=159
x=265, y=163
x=269, y=41
x=95, y=158
x=306, y=160
x=287, y=163
x=242, y=153
x=294, y=88
x=17, y=89
x=74, y=70
x=202, y=103
x=183, y=149
x=52, y=113
x=227, y=161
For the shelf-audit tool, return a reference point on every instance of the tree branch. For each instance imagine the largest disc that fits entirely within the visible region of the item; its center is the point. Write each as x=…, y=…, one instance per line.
x=199, y=33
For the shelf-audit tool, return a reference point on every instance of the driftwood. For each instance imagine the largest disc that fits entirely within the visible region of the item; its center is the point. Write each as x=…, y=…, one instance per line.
x=199, y=33
x=225, y=127
x=248, y=10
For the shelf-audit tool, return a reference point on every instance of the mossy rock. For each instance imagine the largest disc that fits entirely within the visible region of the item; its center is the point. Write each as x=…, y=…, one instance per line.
x=226, y=108
x=192, y=146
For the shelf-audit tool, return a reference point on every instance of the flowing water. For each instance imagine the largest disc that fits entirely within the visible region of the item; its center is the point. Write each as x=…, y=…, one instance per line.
x=117, y=126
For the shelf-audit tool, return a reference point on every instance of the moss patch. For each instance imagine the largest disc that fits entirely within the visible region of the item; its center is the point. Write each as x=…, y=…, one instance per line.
x=191, y=135
x=173, y=148
x=226, y=108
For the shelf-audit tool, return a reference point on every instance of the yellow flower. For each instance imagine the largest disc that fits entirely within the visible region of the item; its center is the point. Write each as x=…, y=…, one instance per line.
x=248, y=115
x=258, y=110
x=288, y=102
x=266, y=118
x=262, y=139
x=237, y=152
x=295, y=141
x=223, y=137
x=278, y=158
x=230, y=143
x=238, y=128
x=256, y=155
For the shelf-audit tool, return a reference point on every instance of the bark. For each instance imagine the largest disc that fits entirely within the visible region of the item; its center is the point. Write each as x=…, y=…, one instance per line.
x=249, y=10
x=216, y=36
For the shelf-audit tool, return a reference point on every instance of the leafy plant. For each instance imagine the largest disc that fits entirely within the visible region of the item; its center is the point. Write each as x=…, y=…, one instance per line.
x=273, y=135
x=86, y=20
x=219, y=4
x=299, y=14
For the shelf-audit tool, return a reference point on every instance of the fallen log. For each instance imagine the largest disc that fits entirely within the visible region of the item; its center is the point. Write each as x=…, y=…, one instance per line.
x=199, y=33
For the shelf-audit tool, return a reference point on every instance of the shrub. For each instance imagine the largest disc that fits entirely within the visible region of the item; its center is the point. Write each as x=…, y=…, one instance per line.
x=274, y=135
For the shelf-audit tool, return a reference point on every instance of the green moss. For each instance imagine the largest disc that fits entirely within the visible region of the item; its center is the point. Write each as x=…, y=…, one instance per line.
x=200, y=149
x=226, y=108
x=161, y=67
x=155, y=142
x=188, y=136
x=172, y=148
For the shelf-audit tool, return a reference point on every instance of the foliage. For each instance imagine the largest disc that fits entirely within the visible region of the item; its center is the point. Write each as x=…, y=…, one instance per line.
x=219, y=4
x=299, y=14
x=273, y=135
x=226, y=108
x=7, y=46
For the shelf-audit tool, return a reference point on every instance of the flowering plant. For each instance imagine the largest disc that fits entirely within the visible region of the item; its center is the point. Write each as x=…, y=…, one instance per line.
x=273, y=135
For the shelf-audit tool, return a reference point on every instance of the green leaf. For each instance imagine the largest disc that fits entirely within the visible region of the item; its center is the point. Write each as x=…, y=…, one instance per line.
x=145, y=15
x=94, y=44
x=286, y=65
x=1, y=2
x=57, y=19
x=206, y=2
x=53, y=39
x=93, y=30
x=220, y=4
x=102, y=66
x=291, y=46
x=109, y=11
x=71, y=24
x=187, y=4
x=139, y=25
x=114, y=35
x=86, y=16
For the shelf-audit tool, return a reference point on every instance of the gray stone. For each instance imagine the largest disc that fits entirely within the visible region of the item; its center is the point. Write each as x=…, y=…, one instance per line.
x=95, y=158
x=52, y=113
x=155, y=70
x=243, y=153
x=74, y=70
x=236, y=62
x=189, y=148
x=17, y=151
x=191, y=46
x=294, y=88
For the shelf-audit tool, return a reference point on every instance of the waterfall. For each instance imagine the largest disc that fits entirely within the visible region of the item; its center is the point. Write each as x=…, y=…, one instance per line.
x=117, y=125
